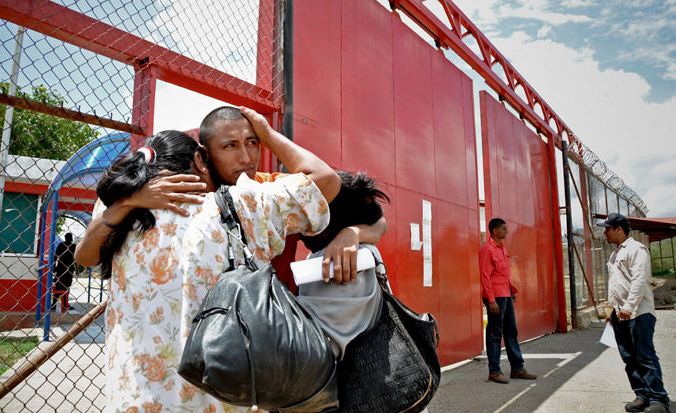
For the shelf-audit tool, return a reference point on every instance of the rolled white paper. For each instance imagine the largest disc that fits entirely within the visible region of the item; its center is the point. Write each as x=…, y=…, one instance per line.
x=308, y=271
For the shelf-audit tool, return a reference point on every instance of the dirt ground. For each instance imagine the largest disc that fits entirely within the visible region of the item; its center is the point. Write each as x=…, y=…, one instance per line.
x=665, y=291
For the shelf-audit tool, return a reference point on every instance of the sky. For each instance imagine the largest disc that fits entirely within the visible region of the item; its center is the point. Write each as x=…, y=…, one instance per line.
x=608, y=69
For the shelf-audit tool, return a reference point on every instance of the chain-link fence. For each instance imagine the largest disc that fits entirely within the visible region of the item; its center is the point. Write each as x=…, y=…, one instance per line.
x=77, y=89
x=595, y=190
x=663, y=257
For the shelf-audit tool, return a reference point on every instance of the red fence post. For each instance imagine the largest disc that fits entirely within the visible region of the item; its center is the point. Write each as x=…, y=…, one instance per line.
x=143, y=109
x=562, y=324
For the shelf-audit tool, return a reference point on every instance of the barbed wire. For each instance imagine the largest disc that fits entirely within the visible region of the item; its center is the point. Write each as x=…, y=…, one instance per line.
x=596, y=167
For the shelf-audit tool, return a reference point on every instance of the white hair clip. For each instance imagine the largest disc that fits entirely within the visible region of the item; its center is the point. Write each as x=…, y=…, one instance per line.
x=148, y=154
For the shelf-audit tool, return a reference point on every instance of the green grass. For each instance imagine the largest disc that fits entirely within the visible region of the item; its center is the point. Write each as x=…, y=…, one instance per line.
x=665, y=273
x=12, y=349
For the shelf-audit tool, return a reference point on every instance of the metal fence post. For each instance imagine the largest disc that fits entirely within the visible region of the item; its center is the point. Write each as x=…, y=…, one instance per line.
x=569, y=235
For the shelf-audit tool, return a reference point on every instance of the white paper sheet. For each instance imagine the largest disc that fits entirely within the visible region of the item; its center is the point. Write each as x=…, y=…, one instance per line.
x=416, y=244
x=308, y=271
x=608, y=336
x=427, y=243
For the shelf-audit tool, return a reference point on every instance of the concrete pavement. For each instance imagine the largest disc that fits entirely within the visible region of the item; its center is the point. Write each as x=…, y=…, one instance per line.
x=575, y=372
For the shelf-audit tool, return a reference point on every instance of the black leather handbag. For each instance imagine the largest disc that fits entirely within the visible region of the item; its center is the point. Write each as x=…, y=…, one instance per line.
x=252, y=344
x=393, y=367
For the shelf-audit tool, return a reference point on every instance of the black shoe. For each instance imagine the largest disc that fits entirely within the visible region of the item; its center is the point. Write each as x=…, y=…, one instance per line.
x=656, y=407
x=637, y=405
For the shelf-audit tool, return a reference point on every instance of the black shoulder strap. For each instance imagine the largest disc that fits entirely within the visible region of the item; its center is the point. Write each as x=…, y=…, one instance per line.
x=227, y=208
x=230, y=218
x=381, y=272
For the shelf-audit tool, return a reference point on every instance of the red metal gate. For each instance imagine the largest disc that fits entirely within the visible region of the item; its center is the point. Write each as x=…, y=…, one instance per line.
x=517, y=188
x=370, y=94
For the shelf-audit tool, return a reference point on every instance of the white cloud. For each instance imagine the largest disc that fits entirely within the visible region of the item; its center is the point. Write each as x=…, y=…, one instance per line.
x=661, y=200
x=607, y=110
x=577, y=3
x=647, y=37
x=486, y=13
x=180, y=109
x=544, y=31
x=536, y=11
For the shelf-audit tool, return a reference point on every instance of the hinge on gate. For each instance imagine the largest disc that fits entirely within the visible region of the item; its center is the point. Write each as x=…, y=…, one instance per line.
x=143, y=62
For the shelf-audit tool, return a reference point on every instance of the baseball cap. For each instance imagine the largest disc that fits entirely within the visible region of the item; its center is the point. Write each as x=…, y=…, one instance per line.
x=613, y=220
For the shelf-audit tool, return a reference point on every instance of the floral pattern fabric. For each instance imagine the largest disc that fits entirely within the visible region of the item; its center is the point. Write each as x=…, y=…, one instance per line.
x=160, y=278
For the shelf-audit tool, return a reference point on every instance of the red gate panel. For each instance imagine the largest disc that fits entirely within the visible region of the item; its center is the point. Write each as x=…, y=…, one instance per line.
x=370, y=94
x=516, y=174
x=367, y=72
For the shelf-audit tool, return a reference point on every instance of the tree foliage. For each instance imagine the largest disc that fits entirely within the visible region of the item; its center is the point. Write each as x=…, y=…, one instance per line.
x=45, y=136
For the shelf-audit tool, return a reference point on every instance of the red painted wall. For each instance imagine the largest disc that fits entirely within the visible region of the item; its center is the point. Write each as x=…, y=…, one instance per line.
x=370, y=94
x=18, y=295
x=516, y=179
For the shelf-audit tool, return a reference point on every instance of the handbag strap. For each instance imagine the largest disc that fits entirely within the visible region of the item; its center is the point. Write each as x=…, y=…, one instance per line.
x=230, y=218
x=381, y=275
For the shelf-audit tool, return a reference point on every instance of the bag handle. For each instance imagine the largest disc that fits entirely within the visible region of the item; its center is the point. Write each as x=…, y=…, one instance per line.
x=381, y=275
x=230, y=218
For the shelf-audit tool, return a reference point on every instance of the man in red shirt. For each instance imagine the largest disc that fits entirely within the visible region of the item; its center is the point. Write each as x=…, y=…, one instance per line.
x=498, y=295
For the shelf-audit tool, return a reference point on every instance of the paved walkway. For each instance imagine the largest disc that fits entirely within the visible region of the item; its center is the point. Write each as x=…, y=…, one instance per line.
x=71, y=381
x=575, y=372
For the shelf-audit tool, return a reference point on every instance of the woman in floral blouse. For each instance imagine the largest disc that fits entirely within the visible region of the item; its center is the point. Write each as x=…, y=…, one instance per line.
x=161, y=264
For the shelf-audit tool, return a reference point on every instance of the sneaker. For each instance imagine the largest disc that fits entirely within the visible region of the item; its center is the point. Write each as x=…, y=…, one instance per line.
x=656, y=407
x=636, y=406
x=498, y=378
x=522, y=374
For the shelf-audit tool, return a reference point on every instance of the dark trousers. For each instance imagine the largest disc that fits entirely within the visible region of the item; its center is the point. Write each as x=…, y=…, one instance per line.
x=635, y=343
x=502, y=325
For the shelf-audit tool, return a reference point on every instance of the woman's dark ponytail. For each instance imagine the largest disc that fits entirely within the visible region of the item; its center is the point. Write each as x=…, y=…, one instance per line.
x=172, y=151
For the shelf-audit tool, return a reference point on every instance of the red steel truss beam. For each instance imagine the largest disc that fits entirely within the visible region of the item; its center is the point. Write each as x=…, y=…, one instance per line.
x=70, y=26
x=452, y=38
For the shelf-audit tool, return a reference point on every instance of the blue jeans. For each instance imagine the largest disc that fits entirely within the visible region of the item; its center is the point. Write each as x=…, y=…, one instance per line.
x=635, y=343
x=502, y=325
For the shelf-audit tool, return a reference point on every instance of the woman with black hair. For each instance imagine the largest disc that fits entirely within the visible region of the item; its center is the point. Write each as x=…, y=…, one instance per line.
x=161, y=264
x=345, y=311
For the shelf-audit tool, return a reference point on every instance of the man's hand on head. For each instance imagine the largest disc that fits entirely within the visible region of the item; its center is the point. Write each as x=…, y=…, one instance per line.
x=342, y=251
x=260, y=125
x=166, y=191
